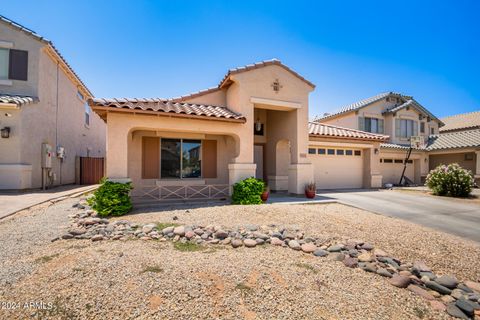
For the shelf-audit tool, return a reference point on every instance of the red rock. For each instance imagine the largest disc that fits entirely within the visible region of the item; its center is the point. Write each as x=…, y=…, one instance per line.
x=437, y=305
x=399, y=281
x=475, y=286
x=421, y=292
x=308, y=247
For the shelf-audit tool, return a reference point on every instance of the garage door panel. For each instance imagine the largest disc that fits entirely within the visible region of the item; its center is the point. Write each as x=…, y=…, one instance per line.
x=337, y=171
x=391, y=172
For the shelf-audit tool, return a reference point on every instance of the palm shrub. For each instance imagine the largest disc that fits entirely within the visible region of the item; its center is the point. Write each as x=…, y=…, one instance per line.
x=450, y=180
x=248, y=191
x=112, y=198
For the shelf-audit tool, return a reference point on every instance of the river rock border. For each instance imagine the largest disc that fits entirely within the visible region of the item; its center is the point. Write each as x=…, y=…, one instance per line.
x=444, y=292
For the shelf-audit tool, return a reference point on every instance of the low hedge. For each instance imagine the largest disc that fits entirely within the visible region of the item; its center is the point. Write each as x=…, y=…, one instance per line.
x=450, y=180
x=111, y=199
x=248, y=191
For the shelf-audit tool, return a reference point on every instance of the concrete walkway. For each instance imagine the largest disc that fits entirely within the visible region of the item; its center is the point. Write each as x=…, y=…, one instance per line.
x=458, y=217
x=14, y=201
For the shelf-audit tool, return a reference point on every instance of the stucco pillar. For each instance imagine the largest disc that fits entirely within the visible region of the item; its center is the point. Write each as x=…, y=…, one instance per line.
x=117, y=152
x=299, y=174
x=372, y=177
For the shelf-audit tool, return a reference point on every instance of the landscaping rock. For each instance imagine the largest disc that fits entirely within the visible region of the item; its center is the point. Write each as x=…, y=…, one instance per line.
x=447, y=299
x=365, y=257
x=249, y=243
x=421, y=292
x=336, y=256
x=437, y=305
x=367, y=246
x=447, y=281
x=276, y=241
x=380, y=253
x=237, y=243
x=308, y=247
x=335, y=248
x=475, y=286
x=320, y=253
x=260, y=235
x=97, y=237
x=220, y=234
x=294, y=244
x=384, y=272
x=350, y=262
x=168, y=230
x=399, y=281
x=456, y=312
x=457, y=293
x=148, y=228
x=179, y=231
x=259, y=241
x=67, y=236
x=189, y=234
x=437, y=287
x=420, y=266
x=368, y=267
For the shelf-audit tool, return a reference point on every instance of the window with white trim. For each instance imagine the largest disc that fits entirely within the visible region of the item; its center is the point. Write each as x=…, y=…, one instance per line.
x=405, y=128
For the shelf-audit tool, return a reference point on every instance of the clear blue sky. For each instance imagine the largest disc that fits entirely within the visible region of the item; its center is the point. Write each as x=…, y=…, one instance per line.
x=349, y=49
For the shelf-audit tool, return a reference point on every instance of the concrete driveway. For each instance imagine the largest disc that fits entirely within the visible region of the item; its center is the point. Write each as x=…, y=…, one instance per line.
x=14, y=201
x=449, y=215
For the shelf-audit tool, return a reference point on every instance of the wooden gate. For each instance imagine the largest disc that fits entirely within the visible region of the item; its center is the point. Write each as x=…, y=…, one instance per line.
x=91, y=170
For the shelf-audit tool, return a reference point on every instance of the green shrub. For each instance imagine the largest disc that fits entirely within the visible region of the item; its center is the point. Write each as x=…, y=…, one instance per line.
x=112, y=198
x=248, y=191
x=451, y=180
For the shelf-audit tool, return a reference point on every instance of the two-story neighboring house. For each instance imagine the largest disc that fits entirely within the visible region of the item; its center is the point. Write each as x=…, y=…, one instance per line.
x=401, y=117
x=42, y=103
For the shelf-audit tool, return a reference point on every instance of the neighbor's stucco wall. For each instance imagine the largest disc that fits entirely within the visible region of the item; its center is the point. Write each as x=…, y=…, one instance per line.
x=459, y=157
x=58, y=118
x=215, y=98
x=375, y=110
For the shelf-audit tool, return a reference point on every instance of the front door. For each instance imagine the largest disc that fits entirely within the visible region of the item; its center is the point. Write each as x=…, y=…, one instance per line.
x=258, y=159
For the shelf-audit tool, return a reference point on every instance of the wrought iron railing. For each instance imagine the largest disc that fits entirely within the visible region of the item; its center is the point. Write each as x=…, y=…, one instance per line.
x=187, y=192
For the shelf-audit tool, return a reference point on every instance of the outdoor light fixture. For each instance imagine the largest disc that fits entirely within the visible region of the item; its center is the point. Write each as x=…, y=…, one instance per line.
x=258, y=125
x=5, y=132
x=376, y=151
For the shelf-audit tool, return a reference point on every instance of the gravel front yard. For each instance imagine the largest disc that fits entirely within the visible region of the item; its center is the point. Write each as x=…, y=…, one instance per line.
x=151, y=279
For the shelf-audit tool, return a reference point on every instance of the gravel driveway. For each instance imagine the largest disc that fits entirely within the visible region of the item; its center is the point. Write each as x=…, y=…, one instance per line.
x=152, y=280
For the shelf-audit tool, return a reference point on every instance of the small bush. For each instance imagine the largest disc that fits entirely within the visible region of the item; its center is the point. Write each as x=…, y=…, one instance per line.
x=451, y=180
x=112, y=198
x=248, y=191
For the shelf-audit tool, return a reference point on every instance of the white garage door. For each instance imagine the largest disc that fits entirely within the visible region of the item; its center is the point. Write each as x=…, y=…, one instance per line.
x=391, y=170
x=337, y=168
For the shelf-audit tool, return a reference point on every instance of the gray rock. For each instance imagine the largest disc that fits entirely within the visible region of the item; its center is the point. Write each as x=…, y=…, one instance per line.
x=249, y=243
x=198, y=231
x=288, y=235
x=466, y=307
x=168, y=230
x=294, y=244
x=259, y=241
x=367, y=246
x=251, y=227
x=420, y=266
x=389, y=261
x=384, y=272
x=447, y=281
x=277, y=235
x=260, y=235
x=67, y=236
x=437, y=287
x=473, y=296
x=320, y=253
x=148, y=228
x=399, y=281
x=353, y=253
x=457, y=293
x=369, y=267
x=335, y=248
x=456, y=312
x=463, y=287
x=77, y=232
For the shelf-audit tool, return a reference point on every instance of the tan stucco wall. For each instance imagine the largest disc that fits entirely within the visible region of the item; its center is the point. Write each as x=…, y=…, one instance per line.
x=58, y=118
x=216, y=98
x=447, y=158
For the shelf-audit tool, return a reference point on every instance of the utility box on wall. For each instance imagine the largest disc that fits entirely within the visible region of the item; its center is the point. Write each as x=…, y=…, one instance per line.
x=46, y=155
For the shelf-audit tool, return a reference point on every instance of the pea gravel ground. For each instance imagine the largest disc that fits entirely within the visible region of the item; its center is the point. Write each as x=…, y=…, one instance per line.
x=151, y=280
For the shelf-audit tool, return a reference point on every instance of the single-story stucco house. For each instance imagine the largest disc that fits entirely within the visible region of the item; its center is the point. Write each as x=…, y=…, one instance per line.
x=255, y=123
x=45, y=121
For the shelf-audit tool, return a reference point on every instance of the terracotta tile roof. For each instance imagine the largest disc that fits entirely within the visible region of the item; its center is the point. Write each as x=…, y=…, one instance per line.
x=413, y=104
x=167, y=106
x=398, y=146
x=453, y=140
x=464, y=121
x=261, y=65
x=17, y=99
x=35, y=35
x=328, y=130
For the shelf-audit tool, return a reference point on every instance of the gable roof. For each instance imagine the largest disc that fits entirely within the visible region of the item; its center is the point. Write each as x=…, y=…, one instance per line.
x=453, y=140
x=164, y=107
x=258, y=65
x=68, y=69
x=406, y=102
x=464, y=121
x=331, y=131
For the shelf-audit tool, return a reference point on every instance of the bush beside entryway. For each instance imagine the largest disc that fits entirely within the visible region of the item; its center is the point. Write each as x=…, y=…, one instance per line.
x=248, y=191
x=450, y=180
x=112, y=198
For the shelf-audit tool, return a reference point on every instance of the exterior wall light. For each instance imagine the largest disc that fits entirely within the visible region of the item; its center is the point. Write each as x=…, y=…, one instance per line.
x=376, y=151
x=258, y=125
x=5, y=132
